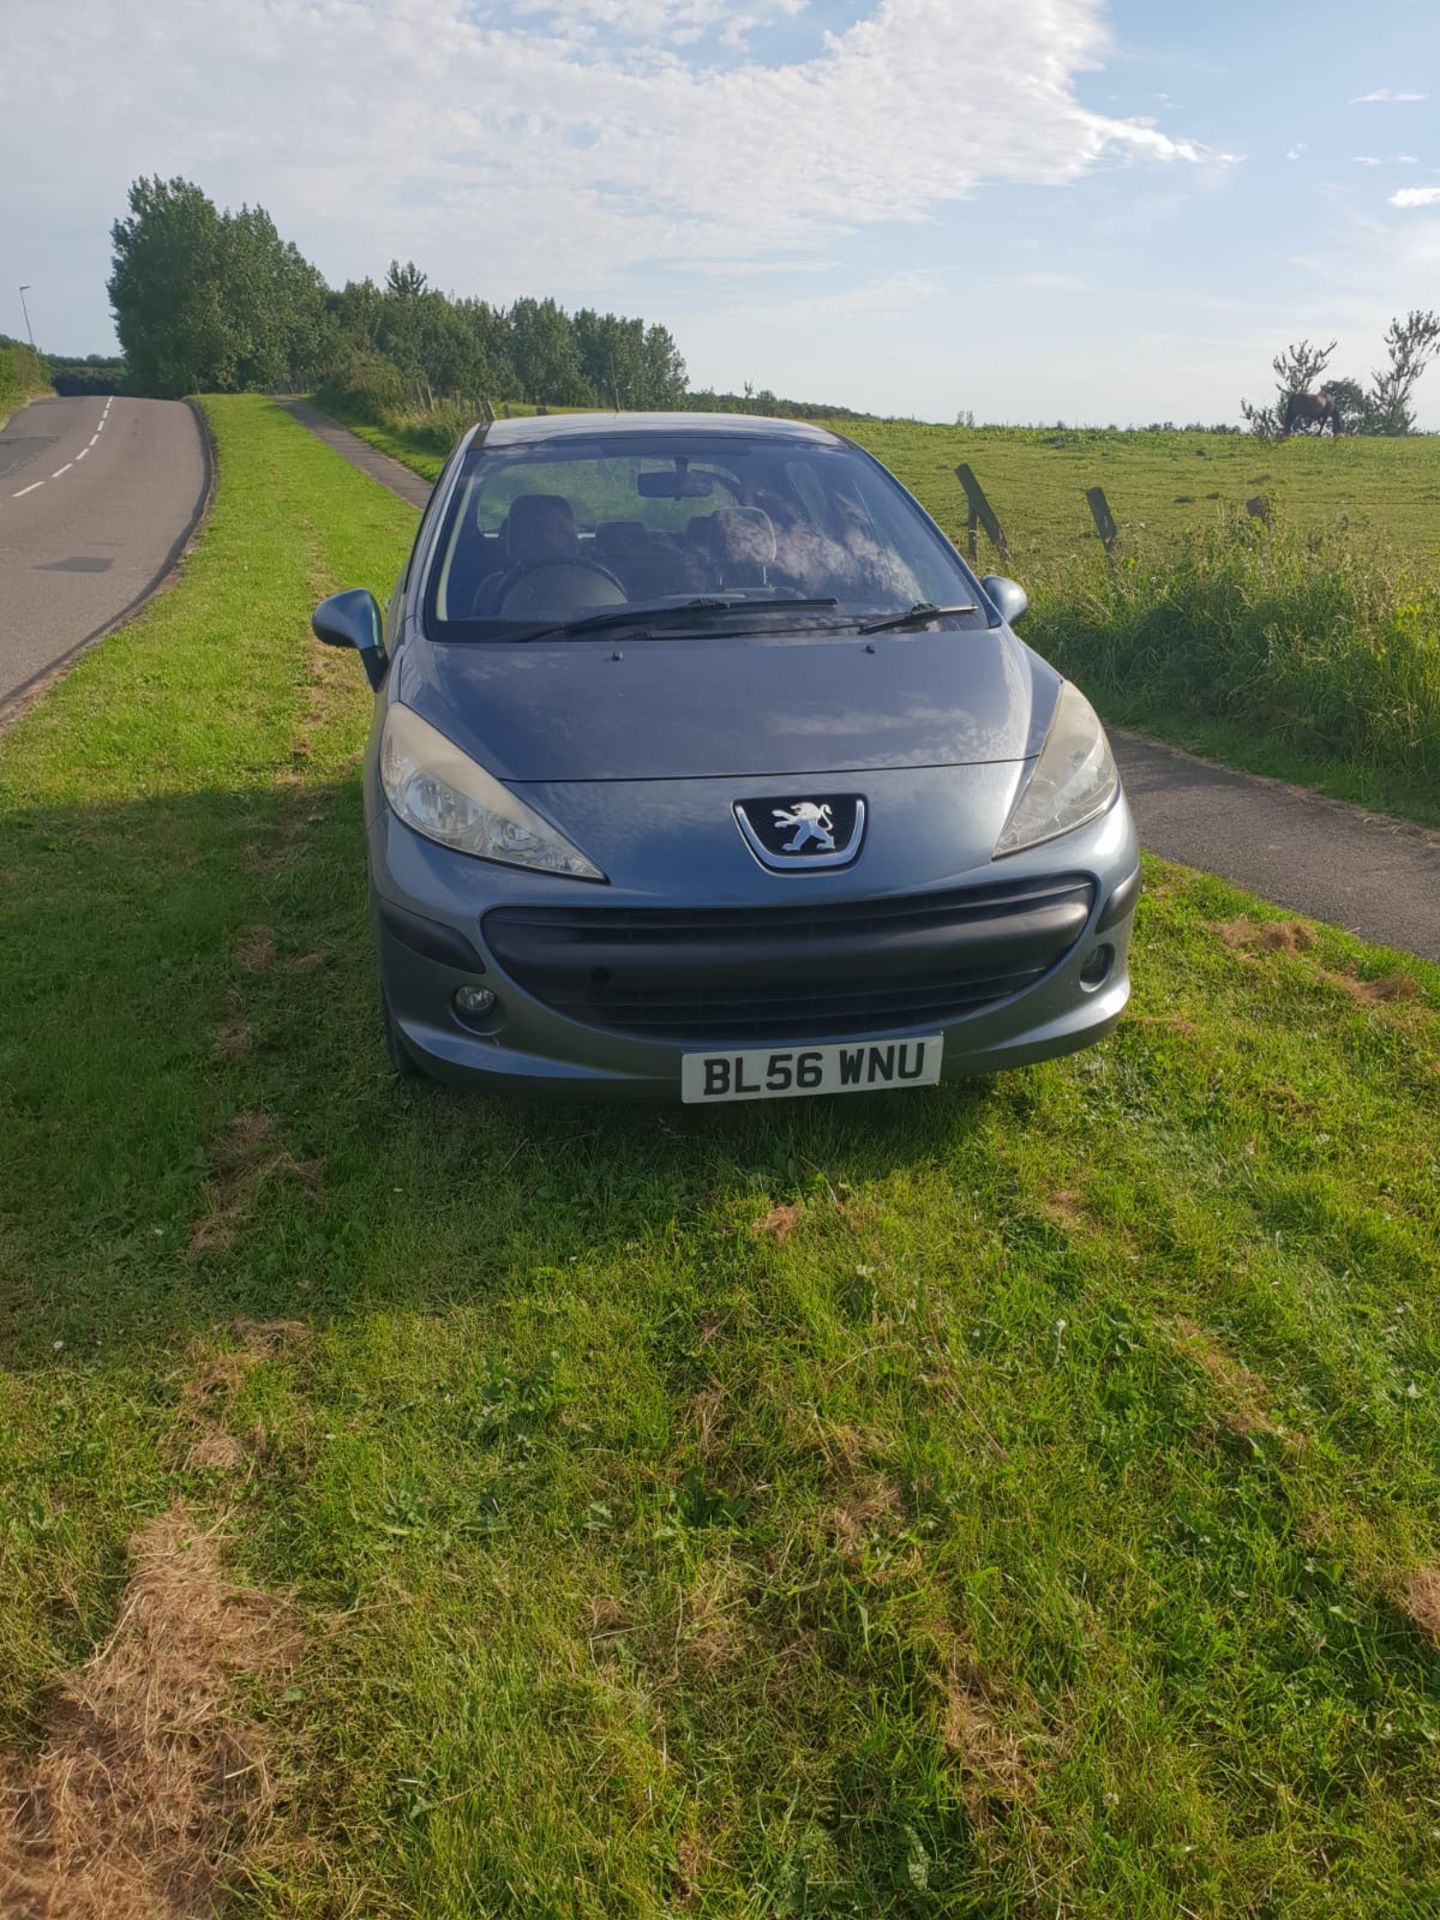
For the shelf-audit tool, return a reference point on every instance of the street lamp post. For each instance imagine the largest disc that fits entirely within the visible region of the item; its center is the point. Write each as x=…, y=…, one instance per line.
x=26, y=311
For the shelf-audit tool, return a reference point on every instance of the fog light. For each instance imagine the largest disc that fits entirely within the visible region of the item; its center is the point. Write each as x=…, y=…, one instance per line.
x=1096, y=969
x=472, y=1003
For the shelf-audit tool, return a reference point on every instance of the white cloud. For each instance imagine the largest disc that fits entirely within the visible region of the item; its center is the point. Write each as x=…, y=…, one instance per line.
x=1416, y=197
x=1296, y=151
x=514, y=147
x=1385, y=96
x=680, y=22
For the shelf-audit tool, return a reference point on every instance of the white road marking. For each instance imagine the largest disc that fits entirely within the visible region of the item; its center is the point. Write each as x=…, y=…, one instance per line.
x=65, y=469
x=82, y=453
x=24, y=490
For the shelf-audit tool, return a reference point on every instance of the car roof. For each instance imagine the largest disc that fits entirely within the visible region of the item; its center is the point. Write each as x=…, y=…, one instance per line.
x=532, y=428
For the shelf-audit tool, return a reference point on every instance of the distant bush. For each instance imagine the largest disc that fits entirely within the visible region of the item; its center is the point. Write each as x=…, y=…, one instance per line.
x=366, y=388
x=23, y=375
x=96, y=373
x=1313, y=640
x=770, y=406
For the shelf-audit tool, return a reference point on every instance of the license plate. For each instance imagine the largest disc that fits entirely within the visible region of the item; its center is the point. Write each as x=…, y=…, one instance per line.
x=780, y=1073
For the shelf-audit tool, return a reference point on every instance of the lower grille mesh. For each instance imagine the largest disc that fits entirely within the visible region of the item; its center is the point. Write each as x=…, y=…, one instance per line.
x=735, y=975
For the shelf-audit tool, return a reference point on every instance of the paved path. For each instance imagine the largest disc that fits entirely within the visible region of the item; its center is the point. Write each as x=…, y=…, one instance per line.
x=98, y=497
x=1378, y=877
x=390, y=473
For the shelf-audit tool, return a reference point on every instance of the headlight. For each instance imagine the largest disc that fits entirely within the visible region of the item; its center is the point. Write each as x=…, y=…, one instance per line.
x=442, y=793
x=1073, y=779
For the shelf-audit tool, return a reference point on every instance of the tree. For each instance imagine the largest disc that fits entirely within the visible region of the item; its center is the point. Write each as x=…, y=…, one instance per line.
x=627, y=364
x=1354, y=405
x=209, y=302
x=666, y=377
x=356, y=311
x=166, y=291
x=407, y=282
x=489, y=328
x=212, y=301
x=1413, y=343
x=546, y=354
x=275, y=301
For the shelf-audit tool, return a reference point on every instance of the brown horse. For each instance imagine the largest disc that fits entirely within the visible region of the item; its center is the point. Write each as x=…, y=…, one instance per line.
x=1311, y=407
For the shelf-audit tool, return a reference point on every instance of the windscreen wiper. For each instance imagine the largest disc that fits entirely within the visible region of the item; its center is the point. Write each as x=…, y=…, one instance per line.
x=630, y=616
x=916, y=616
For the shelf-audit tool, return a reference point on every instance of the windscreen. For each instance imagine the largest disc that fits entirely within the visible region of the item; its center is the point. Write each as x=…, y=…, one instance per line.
x=545, y=537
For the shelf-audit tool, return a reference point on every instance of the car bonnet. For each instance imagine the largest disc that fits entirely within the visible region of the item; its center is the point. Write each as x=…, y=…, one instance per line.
x=627, y=709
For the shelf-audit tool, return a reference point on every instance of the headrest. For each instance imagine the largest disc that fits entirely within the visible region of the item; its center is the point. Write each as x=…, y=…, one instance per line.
x=744, y=535
x=541, y=526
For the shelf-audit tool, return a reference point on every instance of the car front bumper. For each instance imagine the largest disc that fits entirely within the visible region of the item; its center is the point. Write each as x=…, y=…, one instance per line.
x=430, y=905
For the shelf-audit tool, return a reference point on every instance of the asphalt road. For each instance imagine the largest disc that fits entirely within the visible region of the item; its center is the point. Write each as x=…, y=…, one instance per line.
x=97, y=498
x=1378, y=877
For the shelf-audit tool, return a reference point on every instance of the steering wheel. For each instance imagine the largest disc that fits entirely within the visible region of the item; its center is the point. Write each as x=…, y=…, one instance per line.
x=497, y=592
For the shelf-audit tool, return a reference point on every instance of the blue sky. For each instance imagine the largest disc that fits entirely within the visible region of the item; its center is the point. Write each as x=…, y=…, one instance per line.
x=1034, y=209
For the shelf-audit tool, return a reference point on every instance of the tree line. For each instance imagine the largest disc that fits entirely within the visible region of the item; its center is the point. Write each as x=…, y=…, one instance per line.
x=207, y=301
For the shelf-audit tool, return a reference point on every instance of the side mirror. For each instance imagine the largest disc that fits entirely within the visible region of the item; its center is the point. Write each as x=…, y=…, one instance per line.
x=1008, y=597
x=352, y=619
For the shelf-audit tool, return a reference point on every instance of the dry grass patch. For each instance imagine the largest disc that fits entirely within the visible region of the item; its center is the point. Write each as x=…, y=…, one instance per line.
x=247, y=1161
x=1422, y=1601
x=780, y=1222
x=211, y=1382
x=148, y=1794
x=1171, y=1022
x=233, y=1037
x=1266, y=936
x=255, y=950
x=707, y=1410
x=1374, y=993
x=856, y=1520
x=1245, y=1398
x=1064, y=1208
x=713, y=1630
x=993, y=1764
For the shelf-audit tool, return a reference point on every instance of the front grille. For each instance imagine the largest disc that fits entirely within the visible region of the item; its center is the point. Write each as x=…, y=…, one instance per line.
x=742, y=974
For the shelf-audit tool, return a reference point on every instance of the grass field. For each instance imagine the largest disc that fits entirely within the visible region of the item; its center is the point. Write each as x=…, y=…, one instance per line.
x=1160, y=484
x=1017, y=1500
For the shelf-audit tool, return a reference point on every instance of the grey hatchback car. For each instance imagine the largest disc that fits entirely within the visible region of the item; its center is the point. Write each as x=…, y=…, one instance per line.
x=703, y=768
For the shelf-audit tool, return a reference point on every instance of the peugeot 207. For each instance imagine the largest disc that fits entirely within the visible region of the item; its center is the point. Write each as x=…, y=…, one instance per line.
x=703, y=767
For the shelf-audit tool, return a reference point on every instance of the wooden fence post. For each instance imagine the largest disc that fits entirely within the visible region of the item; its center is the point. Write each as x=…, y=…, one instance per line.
x=1104, y=520
x=981, y=514
x=1258, y=507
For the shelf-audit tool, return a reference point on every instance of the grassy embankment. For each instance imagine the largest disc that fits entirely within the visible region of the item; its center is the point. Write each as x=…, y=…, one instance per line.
x=24, y=376
x=1019, y=1499
x=1310, y=652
